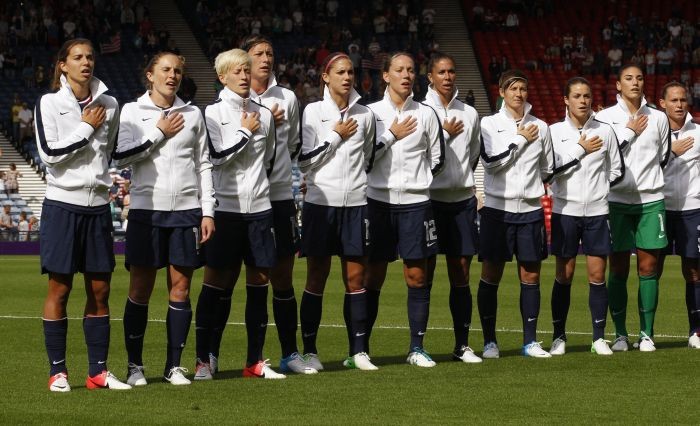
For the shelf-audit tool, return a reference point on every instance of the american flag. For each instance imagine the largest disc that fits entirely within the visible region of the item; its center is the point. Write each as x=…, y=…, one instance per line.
x=113, y=46
x=376, y=62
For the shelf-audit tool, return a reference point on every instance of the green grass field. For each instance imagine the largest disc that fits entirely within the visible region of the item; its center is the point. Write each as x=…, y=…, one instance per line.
x=576, y=388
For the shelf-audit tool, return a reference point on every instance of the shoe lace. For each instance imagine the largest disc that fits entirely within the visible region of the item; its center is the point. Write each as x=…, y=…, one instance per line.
x=621, y=339
x=644, y=337
x=364, y=355
x=422, y=352
x=490, y=345
x=535, y=345
x=181, y=370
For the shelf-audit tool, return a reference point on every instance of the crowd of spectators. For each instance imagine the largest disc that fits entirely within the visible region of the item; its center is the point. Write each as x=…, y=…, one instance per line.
x=305, y=32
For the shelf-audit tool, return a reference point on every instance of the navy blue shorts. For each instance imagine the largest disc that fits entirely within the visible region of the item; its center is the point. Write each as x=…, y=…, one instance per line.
x=457, y=230
x=592, y=232
x=334, y=231
x=504, y=234
x=683, y=233
x=284, y=216
x=242, y=237
x=155, y=246
x=407, y=231
x=75, y=238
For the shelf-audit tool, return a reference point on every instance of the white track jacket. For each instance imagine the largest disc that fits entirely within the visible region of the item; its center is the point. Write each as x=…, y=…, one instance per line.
x=336, y=170
x=682, y=173
x=76, y=155
x=166, y=174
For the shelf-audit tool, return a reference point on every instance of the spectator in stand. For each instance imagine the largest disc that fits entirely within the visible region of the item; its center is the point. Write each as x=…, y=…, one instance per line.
x=494, y=70
x=28, y=73
x=34, y=228
x=469, y=98
x=39, y=77
x=10, y=179
x=650, y=61
x=10, y=64
x=512, y=21
x=8, y=227
x=23, y=227
x=16, y=108
x=26, y=123
x=615, y=59
x=665, y=57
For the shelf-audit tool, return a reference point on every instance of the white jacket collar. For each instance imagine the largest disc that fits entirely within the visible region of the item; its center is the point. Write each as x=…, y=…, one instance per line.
x=621, y=103
x=97, y=87
x=436, y=96
x=570, y=122
x=507, y=113
x=330, y=103
x=146, y=101
x=688, y=121
x=271, y=82
x=232, y=98
x=407, y=102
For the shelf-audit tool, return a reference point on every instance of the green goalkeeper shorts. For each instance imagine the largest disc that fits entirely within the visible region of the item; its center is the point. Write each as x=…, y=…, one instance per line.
x=638, y=226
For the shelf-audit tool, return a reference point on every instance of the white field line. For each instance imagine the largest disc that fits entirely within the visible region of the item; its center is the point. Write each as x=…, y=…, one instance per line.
x=380, y=327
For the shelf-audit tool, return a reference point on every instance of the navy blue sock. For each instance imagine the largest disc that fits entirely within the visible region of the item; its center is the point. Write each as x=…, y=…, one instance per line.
x=55, y=332
x=221, y=314
x=561, y=300
x=284, y=310
x=310, y=315
x=177, y=323
x=355, y=313
x=372, y=312
x=598, y=304
x=204, y=319
x=96, y=330
x=255, y=321
x=135, y=322
x=487, y=301
x=418, y=303
x=461, y=309
x=529, y=310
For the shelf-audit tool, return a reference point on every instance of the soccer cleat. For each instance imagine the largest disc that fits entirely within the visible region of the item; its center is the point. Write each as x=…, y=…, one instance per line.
x=313, y=361
x=601, y=347
x=534, y=350
x=202, y=371
x=59, y=383
x=134, y=376
x=558, y=347
x=491, y=351
x=621, y=344
x=694, y=341
x=419, y=357
x=360, y=361
x=262, y=370
x=105, y=380
x=467, y=355
x=176, y=376
x=213, y=364
x=646, y=344
x=295, y=363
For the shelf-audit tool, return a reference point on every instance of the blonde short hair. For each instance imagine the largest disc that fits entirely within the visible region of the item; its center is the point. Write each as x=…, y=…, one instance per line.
x=231, y=58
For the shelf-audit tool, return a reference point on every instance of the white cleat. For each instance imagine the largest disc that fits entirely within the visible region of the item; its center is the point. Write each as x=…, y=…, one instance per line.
x=558, y=347
x=491, y=351
x=535, y=350
x=176, y=376
x=360, y=361
x=213, y=364
x=621, y=344
x=601, y=347
x=313, y=361
x=646, y=344
x=466, y=355
x=106, y=380
x=694, y=341
x=262, y=370
x=59, y=383
x=420, y=358
x=295, y=363
x=202, y=371
x=135, y=375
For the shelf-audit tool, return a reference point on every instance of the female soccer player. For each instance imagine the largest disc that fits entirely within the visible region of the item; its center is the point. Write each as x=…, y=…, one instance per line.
x=410, y=150
x=637, y=212
x=76, y=127
x=172, y=207
x=589, y=164
x=242, y=138
x=285, y=109
x=452, y=196
x=517, y=156
x=682, y=198
x=338, y=135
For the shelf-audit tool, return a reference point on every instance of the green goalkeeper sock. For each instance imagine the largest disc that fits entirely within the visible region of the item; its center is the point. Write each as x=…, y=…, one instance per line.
x=648, y=298
x=617, y=299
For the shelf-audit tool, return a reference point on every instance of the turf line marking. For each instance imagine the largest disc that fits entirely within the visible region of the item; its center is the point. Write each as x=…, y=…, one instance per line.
x=380, y=327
